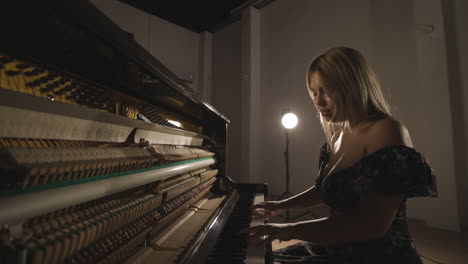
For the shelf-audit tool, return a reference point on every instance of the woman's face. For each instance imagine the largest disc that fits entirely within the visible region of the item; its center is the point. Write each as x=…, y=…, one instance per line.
x=321, y=98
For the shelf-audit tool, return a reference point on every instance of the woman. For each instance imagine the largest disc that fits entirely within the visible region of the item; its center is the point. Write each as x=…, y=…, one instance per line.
x=368, y=169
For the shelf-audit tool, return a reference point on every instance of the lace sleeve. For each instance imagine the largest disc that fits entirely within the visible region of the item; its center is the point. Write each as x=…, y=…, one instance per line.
x=397, y=170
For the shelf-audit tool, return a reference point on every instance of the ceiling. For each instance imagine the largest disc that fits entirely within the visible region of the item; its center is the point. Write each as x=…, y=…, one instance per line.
x=195, y=15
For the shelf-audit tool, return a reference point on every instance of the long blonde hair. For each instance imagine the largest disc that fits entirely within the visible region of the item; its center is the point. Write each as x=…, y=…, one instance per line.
x=353, y=86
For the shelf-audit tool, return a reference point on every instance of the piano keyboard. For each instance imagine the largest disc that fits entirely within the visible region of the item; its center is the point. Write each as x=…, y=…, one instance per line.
x=232, y=247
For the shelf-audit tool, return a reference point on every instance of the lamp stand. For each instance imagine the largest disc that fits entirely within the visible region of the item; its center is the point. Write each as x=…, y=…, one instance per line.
x=287, y=193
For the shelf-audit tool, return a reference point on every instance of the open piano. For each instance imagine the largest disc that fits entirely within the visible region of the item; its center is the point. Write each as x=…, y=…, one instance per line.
x=105, y=155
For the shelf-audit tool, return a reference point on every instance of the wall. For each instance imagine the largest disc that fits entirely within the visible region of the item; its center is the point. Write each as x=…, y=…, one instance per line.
x=433, y=128
x=175, y=47
x=226, y=93
x=128, y=18
x=461, y=8
x=413, y=69
x=456, y=22
x=205, y=66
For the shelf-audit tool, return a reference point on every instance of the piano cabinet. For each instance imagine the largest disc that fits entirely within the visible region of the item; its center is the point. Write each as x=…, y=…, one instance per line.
x=105, y=155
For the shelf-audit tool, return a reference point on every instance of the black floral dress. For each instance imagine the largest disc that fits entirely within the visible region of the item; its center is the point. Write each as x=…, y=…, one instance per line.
x=388, y=171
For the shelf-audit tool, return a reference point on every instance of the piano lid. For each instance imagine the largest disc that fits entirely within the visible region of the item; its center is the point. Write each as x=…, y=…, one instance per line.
x=76, y=37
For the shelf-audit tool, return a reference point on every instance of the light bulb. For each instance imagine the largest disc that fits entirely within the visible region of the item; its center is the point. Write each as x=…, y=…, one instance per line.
x=289, y=120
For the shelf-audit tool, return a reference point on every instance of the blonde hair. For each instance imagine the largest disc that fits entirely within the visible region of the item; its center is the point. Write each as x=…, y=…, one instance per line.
x=352, y=86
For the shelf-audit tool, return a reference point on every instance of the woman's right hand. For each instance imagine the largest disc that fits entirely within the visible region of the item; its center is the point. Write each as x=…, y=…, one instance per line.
x=268, y=209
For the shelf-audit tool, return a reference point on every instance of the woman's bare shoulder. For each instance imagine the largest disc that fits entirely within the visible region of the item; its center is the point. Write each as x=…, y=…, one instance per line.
x=386, y=132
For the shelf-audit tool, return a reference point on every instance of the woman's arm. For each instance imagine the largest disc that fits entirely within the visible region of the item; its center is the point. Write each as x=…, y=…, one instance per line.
x=309, y=197
x=306, y=199
x=370, y=220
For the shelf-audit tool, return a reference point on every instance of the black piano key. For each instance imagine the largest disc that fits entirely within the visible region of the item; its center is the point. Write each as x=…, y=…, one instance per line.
x=231, y=246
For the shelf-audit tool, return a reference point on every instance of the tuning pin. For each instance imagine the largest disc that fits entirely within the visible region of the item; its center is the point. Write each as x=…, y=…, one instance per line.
x=72, y=86
x=32, y=84
x=51, y=86
x=32, y=72
x=49, y=77
x=12, y=73
x=22, y=66
x=48, y=87
x=52, y=75
x=60, y=92
x=66, y=88
x=41, y=80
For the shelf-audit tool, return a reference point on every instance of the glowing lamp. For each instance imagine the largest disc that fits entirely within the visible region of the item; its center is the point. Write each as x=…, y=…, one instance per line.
x=289, y=120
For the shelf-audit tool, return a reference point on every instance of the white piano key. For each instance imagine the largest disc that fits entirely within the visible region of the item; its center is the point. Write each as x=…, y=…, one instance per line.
x=255, y=253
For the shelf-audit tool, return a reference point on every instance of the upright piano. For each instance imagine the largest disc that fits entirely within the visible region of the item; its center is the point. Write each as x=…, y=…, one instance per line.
x=105, y=155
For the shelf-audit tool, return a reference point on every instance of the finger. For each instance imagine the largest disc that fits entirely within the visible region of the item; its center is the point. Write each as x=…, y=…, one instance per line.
x=258, y=238
x=249, y=230
x=246, y=231
x=255, y=228
x=261, y=243
x=257, y=235
x=257, y=206
x=261, y=213
x=269, y=239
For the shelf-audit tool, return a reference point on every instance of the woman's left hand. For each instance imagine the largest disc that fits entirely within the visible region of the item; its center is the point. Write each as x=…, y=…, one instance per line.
x=270, y=232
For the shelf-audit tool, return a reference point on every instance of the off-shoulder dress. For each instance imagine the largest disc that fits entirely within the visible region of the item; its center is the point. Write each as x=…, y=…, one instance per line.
x=391, y=170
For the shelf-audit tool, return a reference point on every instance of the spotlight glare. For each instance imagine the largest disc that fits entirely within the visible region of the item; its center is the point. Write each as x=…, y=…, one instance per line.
x=175, y=123
x=289, y=120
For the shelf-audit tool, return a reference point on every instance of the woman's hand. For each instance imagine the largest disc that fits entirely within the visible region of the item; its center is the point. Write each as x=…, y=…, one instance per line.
x=270, y=232
x=268, y=209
